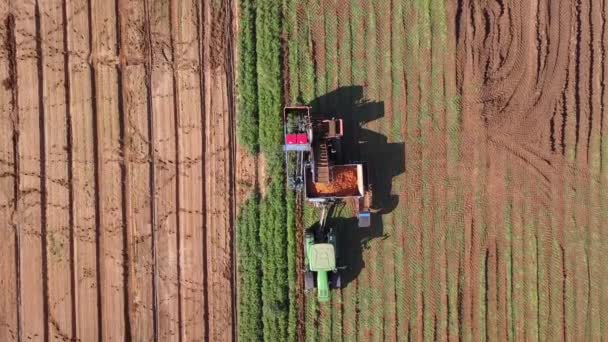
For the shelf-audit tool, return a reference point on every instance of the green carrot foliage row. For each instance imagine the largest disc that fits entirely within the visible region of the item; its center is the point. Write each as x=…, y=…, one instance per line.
x=273, y=238
x=268, y=28
x=249, y=268
x=266, y=260
x=247, y=123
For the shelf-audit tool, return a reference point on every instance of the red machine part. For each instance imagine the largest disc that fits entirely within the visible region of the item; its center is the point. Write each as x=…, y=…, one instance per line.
x=296, y=139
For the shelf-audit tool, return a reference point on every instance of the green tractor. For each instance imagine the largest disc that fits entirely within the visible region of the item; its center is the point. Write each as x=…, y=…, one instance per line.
x=320, y=261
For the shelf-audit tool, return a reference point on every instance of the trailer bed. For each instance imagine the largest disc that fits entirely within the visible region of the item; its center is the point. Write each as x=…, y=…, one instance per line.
x=347, y=181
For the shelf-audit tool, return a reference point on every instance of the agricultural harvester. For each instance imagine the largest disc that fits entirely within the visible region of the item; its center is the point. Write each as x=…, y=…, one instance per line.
x=315, y=167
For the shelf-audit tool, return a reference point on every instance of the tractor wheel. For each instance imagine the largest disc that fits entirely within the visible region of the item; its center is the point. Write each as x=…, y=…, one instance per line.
x=307, y=235
x=335, y=281
x=309, y=281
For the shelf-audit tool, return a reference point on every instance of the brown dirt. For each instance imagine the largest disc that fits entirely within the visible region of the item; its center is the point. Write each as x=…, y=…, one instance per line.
x=57, y=240
x=500, y=215
x=247, y=178
x=9, y=330
x=533, y=105
x=344, y=184
x=29, y=208
x=116, y=171
x=262, y=175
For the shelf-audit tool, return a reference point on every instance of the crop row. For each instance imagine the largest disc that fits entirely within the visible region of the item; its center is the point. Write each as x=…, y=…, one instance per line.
x=266, y=224
x=247, y=123
x=248, y=242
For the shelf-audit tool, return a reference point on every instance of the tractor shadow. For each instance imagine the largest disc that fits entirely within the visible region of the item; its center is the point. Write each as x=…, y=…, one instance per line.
x=384, y=161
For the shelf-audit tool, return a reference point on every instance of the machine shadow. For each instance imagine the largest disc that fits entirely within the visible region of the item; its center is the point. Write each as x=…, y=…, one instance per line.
x=384, y=161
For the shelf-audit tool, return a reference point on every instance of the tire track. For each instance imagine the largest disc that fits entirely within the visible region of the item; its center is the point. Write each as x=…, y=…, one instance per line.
x=591, y=78
x=603, y=83
x=594, y=248
x=176, y=119
x=466, y=29
x=10, y=327
x=96, y=163
x=43, y=195
x=230, y=48
x=70, y=173
x=152, y=171
x=123, y=171
x=202, y=53
x=105, y=59
x=577, y=75
x=394, y=71
x=603, y=174
x=579, y=207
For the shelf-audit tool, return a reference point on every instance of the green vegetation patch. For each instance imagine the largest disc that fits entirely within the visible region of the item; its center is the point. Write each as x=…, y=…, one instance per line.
x=250, y=272
x=247, y=119
x=268, y=45
x=273, y=237
x=266, y=227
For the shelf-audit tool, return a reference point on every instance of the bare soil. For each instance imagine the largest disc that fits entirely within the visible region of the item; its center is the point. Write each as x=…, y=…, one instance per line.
x=117, y=161
x=497, y=232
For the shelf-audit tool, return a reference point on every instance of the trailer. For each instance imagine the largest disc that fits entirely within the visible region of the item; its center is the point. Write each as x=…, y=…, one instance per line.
x=349, y=183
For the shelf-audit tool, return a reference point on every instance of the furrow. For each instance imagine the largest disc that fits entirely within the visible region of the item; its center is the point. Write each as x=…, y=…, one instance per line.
x=43, y=189
x=124, y=214
x=10, y=307
x=96, y=175
x=203, y=55
x=152, y=159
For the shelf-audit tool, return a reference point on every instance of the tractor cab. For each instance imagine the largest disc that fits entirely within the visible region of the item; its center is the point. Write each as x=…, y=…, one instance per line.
x=320, y=260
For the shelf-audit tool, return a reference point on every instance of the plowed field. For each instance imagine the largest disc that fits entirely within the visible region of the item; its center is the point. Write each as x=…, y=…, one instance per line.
x=484, y=127
x=116, y=170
